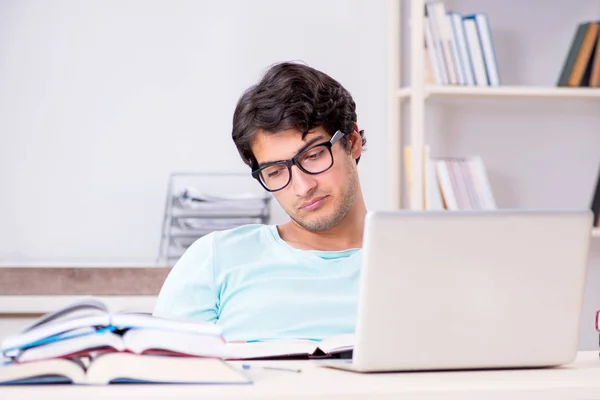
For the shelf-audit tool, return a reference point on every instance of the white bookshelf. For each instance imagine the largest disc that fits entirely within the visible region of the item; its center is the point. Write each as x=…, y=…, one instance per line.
x=503, y=92
x=409, y=52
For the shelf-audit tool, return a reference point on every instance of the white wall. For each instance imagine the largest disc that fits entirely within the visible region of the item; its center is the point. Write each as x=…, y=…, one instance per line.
x=100, y=101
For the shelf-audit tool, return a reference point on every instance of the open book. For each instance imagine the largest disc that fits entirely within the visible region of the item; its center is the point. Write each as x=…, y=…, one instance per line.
x=137, y=341
x=157, y=342
x=123, y=368
x=333, y=346
x=91, y=317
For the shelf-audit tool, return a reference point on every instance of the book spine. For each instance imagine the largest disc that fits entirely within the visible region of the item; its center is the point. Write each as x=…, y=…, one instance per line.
x=445, y=182
x=583, y=56
x=437, y=40
x=436, y=66
x=595, y=206
x=487, y=47
x=595, y=69
x=456, y=58
x=462, y=47
x=474, y=44
x=569, y=63
x=445, y=35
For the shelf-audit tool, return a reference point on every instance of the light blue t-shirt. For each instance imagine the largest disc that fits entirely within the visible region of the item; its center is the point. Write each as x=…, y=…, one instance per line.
x=258, y=287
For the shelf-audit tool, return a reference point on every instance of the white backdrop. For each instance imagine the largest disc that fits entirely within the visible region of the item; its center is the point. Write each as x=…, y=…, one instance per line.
x=100, y=101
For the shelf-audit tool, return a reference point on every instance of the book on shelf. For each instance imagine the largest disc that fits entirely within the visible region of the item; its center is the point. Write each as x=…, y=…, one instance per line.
x=85, y=343
x=581, y=67
x=459, y=48
x=452, y=183
x=464, y=183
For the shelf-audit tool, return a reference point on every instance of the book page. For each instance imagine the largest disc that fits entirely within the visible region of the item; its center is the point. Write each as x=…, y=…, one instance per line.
x=132, y=368
x=269, y=349
x=337, y=343
x=86, y=307
x=45, y=371
x=57, y=330
x=73, y=345
x=140, y=320
x=161, y=341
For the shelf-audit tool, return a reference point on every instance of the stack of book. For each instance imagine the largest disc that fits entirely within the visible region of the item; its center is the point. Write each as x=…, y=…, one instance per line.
x=460, y=49
x=84, y=343
x=581, y=67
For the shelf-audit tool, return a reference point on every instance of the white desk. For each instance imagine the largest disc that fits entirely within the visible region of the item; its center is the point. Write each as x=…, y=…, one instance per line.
x=580, y=380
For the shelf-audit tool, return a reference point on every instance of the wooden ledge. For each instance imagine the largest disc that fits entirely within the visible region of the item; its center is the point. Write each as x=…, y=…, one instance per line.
x=100, y=281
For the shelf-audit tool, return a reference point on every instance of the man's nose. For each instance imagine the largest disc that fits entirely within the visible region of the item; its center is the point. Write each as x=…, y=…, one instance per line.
x=302, y=183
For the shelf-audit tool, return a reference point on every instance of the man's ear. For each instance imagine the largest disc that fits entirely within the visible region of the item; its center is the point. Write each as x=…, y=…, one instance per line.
x=356, y=141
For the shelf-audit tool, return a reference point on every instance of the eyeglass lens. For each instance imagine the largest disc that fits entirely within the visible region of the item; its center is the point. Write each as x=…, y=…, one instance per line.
x=315, y=160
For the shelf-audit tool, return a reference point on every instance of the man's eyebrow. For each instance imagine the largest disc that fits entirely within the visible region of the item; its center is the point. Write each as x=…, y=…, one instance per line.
x=306, y=146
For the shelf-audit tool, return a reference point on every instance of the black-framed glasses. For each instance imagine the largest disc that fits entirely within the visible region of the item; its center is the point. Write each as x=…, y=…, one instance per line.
x=314, y=160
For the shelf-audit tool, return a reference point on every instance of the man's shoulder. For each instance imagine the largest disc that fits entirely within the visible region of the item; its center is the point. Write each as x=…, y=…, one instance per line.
x=229, y=245
x=238, y=245
x=241, y=238
x=244, y=234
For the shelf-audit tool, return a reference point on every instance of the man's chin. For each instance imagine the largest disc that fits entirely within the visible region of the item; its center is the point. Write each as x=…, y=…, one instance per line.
x=315, y=223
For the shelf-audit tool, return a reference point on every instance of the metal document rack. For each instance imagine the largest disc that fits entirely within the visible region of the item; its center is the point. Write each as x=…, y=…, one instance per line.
x=198, y=204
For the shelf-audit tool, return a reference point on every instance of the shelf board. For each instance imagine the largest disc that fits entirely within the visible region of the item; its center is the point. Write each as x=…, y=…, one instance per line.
x=542, y=92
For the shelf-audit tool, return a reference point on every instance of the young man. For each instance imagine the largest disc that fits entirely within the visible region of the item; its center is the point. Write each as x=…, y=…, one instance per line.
x=297, y=130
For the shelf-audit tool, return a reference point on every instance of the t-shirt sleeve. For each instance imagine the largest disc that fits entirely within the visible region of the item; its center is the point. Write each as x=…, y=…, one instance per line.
x=189, y=292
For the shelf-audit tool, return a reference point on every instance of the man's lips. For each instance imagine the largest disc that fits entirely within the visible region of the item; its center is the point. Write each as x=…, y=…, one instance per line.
x=312, y=203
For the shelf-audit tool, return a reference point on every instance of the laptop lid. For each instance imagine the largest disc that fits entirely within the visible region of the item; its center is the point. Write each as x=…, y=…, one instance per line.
x=476, y=289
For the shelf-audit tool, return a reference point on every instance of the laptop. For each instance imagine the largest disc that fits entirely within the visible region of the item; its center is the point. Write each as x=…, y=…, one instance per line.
x=454, y=290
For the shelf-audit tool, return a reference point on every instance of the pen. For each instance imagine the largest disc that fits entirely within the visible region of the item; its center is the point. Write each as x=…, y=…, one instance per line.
x=248, y=366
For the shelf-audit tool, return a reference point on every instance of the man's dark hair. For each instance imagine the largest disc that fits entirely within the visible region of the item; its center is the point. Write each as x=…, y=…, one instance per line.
x=292, y=96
